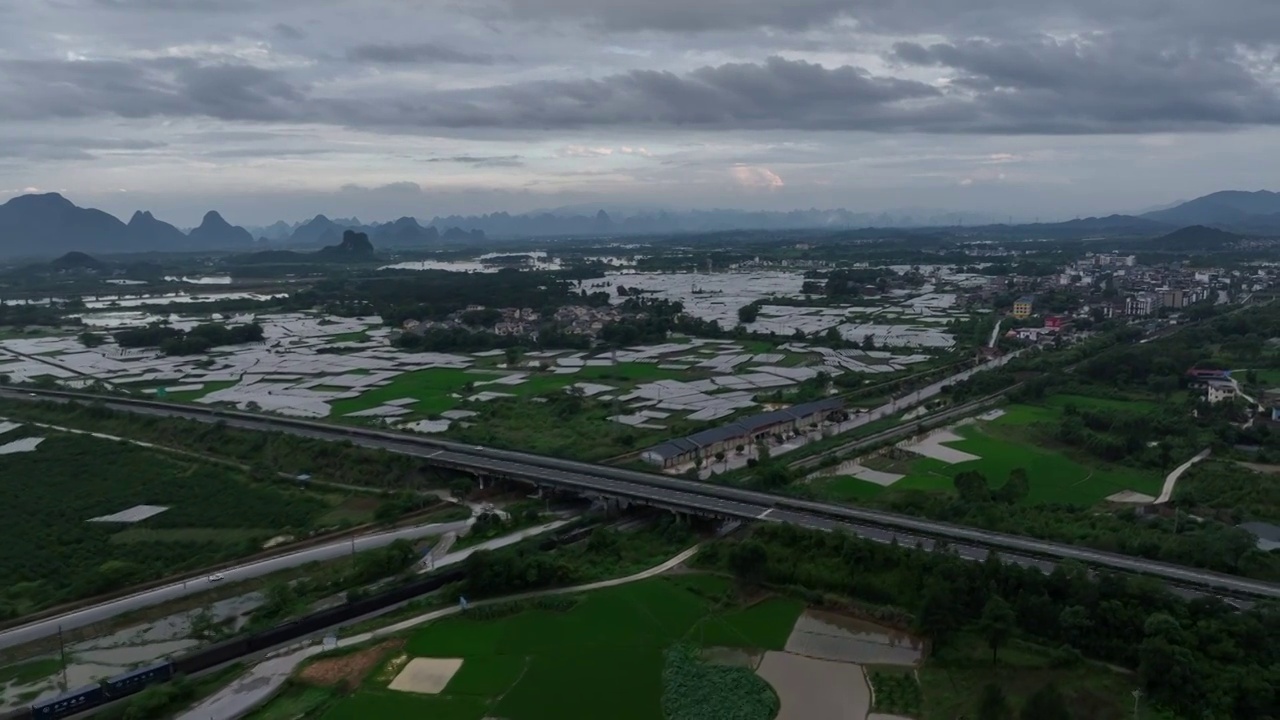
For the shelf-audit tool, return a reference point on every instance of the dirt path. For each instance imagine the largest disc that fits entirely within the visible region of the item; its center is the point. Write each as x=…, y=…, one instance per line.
x=265, y=679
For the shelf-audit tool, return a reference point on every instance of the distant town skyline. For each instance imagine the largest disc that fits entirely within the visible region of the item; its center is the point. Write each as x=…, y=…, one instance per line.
x=383, y=108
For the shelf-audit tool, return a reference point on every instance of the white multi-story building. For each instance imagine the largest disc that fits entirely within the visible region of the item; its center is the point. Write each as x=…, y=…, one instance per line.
x=1217, y=391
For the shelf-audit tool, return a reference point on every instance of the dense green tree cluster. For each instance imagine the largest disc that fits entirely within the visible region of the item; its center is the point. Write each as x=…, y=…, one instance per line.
x=398, y=296
x=651, y=320
x=198, y=339
x=606, y=553
x=1199, y=658
x=267, y=452
x=50, y=315
x=461, y=339
x=847, y=282
x=693, y=689
x=54, y=554
x=1207, y=544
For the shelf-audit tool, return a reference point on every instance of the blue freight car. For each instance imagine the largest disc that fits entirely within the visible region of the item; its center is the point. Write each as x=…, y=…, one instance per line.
x=135, y=680
x=69, y=703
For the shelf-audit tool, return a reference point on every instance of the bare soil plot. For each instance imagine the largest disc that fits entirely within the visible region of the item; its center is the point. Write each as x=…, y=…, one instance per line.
x=809, y=688
x=1131, y=497
x=933, y=447
x=349, y=670
x=829, y=636
x=426, y=676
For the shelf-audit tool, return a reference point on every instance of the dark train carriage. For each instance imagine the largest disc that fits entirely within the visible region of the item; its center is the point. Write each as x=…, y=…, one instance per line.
x=212, y=656
x=69, y=703
x=135, y=680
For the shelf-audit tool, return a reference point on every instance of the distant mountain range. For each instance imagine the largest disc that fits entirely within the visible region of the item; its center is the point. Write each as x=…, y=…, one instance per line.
x=353, y=247
x=1230, y=209
x=49, y=224
x=43, y=225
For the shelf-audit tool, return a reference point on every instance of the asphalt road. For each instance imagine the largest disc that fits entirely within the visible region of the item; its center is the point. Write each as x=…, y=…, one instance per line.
x=678, y=493
x=105, y=611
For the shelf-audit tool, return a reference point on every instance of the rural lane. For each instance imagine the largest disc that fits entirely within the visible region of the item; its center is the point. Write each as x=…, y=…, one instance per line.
x=263, y=680
x=329, y=551
x=1166, y=493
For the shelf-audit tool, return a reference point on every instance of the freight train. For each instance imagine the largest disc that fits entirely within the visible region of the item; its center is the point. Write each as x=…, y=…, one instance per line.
x=122, y=686
x=80, y=700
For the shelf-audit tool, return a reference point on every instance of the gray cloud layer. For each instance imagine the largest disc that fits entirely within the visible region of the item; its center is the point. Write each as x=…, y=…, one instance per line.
x=417, y=53
x=671, y=98
x=1100, y=85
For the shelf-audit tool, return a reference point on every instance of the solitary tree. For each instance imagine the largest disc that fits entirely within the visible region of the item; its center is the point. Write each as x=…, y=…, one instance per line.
x=972, y=486
x=993, y=705
x=749, y=560
x=997, y=624
x=91, y=340
x=1046, y=704
x=1016, y=489
x=937, y=616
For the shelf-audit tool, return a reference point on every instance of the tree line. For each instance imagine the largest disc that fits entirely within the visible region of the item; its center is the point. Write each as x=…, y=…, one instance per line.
x=197, y=340
x=1199, y=658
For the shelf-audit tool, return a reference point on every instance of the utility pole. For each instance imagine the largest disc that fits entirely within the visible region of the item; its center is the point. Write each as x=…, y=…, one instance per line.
x=62, y=651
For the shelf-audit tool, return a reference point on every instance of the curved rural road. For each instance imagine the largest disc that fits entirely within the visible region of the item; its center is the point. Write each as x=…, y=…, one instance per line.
x=1166, y=493
x=263, y=680
x=330, y=551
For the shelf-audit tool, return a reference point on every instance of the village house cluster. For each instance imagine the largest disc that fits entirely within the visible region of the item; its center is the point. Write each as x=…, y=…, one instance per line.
x=525, y=322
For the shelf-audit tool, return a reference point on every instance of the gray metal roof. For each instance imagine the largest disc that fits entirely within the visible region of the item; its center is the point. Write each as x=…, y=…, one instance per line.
x=1263, y=530
x=742, y=428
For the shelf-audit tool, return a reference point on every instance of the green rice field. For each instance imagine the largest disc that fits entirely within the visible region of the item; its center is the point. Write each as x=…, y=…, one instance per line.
x=433, y=388
x=1008, y=443
x=602, y=658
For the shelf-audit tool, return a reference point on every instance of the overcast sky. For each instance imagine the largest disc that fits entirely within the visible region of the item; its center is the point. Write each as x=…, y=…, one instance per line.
x=282, y=109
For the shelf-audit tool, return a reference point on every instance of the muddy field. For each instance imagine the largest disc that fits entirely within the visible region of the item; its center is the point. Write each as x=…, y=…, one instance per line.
x=809, y=688
x=829, y=636
x=820, y=675
x=348, y=670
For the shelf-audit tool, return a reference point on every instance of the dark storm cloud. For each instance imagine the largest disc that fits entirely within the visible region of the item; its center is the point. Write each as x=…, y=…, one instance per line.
x=41, y=89
x=418, y=53
x=777, y=93
x=220, y=6
x=1102, y=84
x=1035, y=87
x=1096, y=85
x=28, y=151
x=288, y=32
x=36, y=147
x=682, y=15
x=481, y=160
x=260, y=152
x=1229, y=18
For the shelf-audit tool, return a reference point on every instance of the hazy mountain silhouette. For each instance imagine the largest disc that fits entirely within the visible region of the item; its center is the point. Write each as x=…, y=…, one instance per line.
x=49, y=224
x=1226, y=209
x=149, y=233
x=216, y=233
